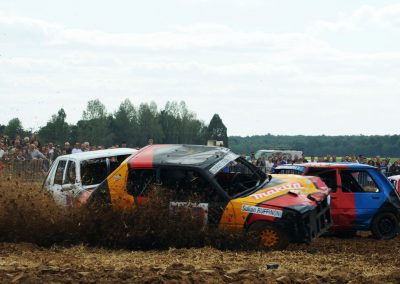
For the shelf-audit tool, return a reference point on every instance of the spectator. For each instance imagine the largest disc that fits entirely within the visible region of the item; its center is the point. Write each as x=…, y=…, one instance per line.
x=150, y=142
x=34, y=153
x=261, y=163
x=50, y=152
x=77, y=148
x=67, y=148
x=86, y=146
x=269, y=164
x=252, y=158
x=26, y=141
x=2, y=152
x=384, y=168
x=395, y=168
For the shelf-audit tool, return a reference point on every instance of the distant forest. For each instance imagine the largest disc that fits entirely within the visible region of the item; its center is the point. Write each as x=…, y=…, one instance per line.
x=388, y=145
x=131, y=124
x=176, y=124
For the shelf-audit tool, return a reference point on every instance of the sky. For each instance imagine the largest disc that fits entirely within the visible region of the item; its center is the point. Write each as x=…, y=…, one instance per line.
x=265, y=66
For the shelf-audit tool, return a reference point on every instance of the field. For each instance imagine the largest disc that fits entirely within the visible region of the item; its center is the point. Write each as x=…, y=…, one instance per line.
x=328, y=260
x=39, y=243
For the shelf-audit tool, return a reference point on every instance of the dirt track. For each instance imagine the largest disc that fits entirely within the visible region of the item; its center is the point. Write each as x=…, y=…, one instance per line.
x=26, y=215
x=328, y=260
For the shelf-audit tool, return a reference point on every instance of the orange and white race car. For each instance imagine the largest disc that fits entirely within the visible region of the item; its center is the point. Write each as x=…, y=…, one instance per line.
x=231, y=192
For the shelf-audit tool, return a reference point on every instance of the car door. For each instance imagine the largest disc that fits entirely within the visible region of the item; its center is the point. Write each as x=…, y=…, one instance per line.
x=187, y=188
x=358, y=199
x=71, y=187
x=56, y=183
x=192, y=189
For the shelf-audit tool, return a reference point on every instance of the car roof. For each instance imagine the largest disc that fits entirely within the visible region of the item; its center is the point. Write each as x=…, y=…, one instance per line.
x=199, y=156
x=341, y=165
x=99, y=154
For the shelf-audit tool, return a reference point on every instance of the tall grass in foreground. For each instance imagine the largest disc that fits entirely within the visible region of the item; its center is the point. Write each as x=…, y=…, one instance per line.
x=28, y=214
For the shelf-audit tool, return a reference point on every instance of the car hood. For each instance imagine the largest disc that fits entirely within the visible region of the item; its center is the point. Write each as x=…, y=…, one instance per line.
x=288, y=190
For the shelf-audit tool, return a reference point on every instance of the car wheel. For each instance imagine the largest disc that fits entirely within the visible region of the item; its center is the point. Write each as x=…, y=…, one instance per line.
x=268, y=236
x=385, y=226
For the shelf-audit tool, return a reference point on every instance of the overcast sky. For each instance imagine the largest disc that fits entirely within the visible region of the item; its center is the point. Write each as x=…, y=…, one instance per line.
x=280, y=67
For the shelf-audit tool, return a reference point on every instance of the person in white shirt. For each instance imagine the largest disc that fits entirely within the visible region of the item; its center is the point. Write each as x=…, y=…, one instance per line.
x=1, y=152
x=77, y=148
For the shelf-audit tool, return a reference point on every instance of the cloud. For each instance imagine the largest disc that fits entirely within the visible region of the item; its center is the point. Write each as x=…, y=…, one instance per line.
x=250, y=77
x=365, y=17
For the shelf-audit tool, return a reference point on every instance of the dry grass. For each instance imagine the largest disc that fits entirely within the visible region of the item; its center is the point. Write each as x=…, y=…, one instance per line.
x=28, y=214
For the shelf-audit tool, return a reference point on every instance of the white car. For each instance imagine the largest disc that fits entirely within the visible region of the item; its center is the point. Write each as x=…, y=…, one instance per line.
x=395, y=180
x=72, y=178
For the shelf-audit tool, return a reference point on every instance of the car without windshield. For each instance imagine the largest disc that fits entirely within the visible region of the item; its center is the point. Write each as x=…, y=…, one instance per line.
x=72, y=178
x=230, y=192
x=362, y=198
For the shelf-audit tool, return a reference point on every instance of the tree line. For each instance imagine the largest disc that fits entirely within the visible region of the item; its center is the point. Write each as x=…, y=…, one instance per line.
x=130, y=124
x=387, y=145
x=175, y=123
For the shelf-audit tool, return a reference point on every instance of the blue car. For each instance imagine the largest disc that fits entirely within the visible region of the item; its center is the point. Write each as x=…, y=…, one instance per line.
x=362, y=198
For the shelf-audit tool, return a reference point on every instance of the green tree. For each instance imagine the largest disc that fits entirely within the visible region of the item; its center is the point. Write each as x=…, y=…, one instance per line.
x=217, y=130
x=13, y=128
x=95, y=125
x=125, y=124
x=56, y=130
x=94, y=110
x=149, y=124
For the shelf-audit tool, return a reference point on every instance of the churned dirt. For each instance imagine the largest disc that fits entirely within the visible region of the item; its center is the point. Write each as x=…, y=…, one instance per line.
x=328, y=260
x=40, y=243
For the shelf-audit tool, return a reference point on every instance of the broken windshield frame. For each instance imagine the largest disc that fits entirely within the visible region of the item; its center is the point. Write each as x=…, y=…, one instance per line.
x=237, y=177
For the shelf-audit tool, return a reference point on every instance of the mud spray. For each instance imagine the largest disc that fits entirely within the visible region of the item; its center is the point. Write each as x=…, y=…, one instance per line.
x=28, y=214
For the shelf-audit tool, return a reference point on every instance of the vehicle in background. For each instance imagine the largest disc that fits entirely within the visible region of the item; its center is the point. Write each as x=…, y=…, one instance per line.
x=362, y=198
x=229, y=191
x=292, y=154
x=395, y=180
x=72, y=178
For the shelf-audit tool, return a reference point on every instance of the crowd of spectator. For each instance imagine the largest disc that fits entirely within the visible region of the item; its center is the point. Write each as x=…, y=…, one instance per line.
x=31, y=149
x=268, y=164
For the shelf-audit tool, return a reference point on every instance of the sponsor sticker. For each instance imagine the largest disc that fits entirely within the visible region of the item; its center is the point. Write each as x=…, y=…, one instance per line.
x=224, y=162
x=268, y=192
x=262, y=211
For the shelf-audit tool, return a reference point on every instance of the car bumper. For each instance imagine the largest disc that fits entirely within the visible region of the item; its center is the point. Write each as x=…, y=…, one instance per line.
x=311, y=223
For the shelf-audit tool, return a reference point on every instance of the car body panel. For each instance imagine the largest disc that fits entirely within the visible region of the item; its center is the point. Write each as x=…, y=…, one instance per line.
x=353, y=210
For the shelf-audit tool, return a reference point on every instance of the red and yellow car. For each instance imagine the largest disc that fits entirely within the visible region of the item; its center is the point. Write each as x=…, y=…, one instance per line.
x=231, y=192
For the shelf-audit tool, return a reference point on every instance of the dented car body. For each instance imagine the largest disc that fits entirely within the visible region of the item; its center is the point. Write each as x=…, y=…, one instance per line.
x=231, y=193
x=72, y=178
x=362, y=198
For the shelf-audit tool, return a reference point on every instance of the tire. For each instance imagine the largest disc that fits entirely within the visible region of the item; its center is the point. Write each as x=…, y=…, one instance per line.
x=385, y=226
x=267, y=236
